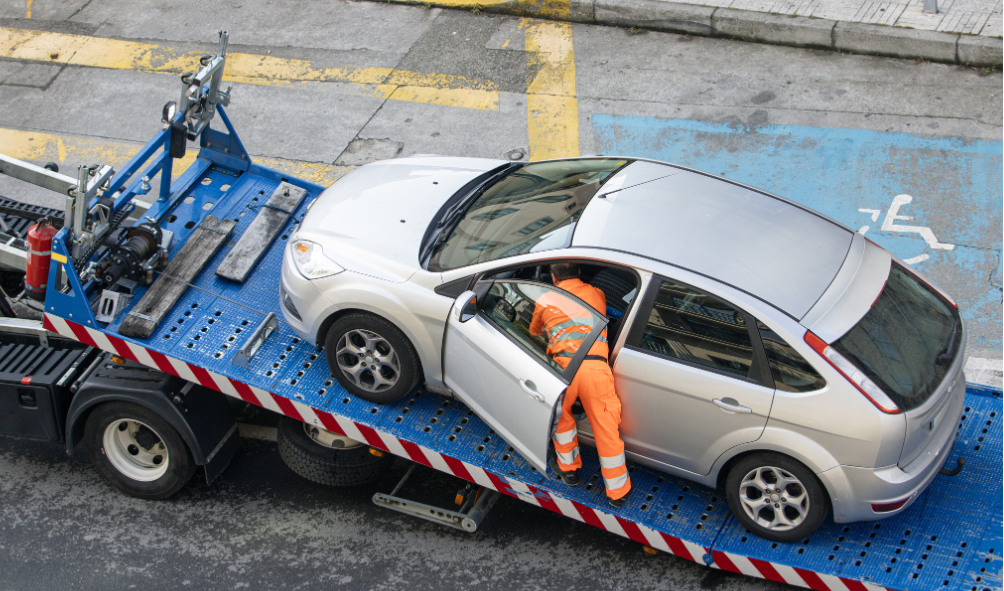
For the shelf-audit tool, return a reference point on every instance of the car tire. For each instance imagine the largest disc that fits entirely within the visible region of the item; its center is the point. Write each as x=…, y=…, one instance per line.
x=350, y=466
x=137, y=450
x=371, y=358
x=793, y=513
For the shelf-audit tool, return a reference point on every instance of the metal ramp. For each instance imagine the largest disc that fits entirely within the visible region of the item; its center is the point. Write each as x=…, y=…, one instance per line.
x=949, y=539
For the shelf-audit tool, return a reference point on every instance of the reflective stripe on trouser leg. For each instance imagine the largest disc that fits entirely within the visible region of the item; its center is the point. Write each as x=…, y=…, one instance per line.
x=593, y=385
x=615, y=474
x=566, y=446
x=567, y=460
x=566, y=437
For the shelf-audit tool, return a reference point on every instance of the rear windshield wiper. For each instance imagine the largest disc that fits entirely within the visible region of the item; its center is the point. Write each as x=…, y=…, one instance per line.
x=948, y=353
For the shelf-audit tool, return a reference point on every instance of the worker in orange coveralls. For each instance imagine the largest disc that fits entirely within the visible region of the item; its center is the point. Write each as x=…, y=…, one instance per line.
x=593, y=384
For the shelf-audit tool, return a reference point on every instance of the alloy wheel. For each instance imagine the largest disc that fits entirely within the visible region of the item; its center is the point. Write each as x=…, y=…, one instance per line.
x=774, y=498
x=368, y=360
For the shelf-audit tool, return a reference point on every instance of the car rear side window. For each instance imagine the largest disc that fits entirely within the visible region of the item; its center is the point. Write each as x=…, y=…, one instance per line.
x=791, y=372
x=907, y=341
x=698, y=328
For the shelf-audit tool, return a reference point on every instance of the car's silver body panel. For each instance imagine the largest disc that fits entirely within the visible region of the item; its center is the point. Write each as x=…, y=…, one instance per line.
x=764, y=246
x=377, y=214
x=788, y=267
x=852, y=292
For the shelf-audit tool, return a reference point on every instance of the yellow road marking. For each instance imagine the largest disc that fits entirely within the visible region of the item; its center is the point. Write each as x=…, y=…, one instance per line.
x=81, y=50
x=70, y=151
x=545, y=8
x=552, y=111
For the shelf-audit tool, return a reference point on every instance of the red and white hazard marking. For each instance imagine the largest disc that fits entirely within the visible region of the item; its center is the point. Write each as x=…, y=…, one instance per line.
x=425, y=456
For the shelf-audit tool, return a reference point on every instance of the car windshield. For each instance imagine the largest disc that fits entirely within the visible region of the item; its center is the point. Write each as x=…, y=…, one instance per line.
x=907, y=340
x=533, y=208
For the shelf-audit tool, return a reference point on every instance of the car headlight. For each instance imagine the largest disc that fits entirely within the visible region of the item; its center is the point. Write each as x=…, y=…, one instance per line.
x=311, y=262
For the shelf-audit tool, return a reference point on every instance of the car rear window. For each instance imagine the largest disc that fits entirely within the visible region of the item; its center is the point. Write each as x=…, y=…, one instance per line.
x=907, y=341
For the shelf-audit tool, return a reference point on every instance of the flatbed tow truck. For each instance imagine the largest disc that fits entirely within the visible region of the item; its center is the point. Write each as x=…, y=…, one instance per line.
x=226, y=337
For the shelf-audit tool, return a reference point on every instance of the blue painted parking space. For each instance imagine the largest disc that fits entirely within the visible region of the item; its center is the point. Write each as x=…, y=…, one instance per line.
x=934, y=202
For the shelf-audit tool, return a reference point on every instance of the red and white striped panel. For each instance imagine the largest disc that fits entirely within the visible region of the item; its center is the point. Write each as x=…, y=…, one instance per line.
x=427, y=457
x=786, y=574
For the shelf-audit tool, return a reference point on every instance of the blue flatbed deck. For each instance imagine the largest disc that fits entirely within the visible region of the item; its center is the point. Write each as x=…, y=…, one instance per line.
x=949, y=539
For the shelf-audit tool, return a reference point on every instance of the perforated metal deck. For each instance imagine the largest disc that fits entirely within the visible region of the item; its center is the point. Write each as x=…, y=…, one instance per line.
x=949, y=539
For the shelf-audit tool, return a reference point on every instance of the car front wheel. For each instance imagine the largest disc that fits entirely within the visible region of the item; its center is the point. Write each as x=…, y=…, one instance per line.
x=776, y=497
x=371, y=358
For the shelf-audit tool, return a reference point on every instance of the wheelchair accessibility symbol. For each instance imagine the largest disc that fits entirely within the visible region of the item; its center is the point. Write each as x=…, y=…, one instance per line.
x=889, y=225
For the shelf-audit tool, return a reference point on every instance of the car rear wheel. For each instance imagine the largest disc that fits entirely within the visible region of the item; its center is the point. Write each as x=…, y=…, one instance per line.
x=371, y=358
x=776, y=497
x=137, y=451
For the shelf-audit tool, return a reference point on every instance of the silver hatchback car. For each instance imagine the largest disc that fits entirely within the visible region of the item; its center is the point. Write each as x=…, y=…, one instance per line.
x=755, y=344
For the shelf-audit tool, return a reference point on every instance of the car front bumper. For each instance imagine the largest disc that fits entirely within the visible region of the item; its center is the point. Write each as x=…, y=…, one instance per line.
x=860, y=488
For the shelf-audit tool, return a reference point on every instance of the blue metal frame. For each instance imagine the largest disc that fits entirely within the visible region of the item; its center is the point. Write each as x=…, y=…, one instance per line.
x=217, y=148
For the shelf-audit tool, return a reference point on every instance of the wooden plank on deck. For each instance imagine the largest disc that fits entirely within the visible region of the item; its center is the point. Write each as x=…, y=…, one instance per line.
x=269, y=222
x=174, y=280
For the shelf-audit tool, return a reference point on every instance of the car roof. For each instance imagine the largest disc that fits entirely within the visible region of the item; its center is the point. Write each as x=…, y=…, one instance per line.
x=769, y=247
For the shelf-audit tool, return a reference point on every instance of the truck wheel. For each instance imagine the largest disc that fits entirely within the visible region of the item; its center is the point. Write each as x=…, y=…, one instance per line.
x=137, y=451
x=326, y=458
x=776, y=497
x=371, y=358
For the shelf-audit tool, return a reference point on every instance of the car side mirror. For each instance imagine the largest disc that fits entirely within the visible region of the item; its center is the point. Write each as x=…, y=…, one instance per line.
x=465, y=306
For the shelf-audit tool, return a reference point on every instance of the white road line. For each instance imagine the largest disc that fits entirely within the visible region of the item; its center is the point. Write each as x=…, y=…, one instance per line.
x=988, y=372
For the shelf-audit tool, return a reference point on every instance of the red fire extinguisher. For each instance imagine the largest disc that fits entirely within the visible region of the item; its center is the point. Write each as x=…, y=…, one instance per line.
x=39, y=254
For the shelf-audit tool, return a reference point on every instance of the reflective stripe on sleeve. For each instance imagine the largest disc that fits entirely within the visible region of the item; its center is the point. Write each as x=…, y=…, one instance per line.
x=560, y=327
x=572, y=335
x=612, y=461
x=566, y=437
x=567, y=458
x=615, y=482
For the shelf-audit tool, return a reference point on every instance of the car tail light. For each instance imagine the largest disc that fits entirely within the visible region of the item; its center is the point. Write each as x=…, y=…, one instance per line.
x=854, y=375
x=887, y=507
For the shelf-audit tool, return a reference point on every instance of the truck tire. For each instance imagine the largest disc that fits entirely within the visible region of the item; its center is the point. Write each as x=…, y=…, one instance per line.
x=137, y=451
x=352, y=465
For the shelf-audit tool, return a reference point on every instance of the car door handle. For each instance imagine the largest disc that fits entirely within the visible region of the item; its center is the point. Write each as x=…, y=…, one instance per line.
x=730, y=405
x=531, y=390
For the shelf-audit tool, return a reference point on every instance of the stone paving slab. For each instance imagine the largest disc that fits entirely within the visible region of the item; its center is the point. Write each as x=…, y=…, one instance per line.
x=967, y=32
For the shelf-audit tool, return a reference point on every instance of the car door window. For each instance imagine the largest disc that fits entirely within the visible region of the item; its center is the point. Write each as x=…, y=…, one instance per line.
x=697, y=328
x=554, y=326
x=791, y=372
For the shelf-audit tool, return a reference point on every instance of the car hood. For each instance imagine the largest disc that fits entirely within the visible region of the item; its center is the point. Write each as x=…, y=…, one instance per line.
x=372, y=220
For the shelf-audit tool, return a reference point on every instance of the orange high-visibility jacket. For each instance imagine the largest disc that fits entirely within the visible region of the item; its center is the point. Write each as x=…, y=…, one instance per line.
x=567, y=323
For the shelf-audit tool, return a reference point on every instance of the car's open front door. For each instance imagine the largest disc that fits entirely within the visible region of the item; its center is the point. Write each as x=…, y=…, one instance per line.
x=505, y=373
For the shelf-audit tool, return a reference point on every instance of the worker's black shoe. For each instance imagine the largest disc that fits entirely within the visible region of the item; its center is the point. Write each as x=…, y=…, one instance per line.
x=618, y=503
x=569, y=478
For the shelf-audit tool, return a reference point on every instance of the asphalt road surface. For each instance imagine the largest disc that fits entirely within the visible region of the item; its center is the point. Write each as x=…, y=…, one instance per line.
x=321, y=87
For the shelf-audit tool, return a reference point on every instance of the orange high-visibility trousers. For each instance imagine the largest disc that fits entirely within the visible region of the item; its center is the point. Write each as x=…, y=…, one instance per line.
x=593, y=385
